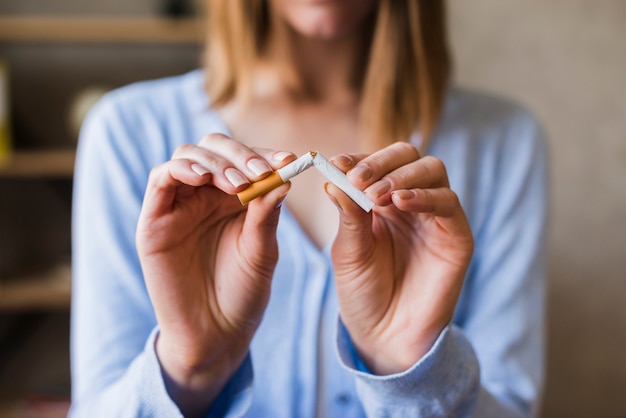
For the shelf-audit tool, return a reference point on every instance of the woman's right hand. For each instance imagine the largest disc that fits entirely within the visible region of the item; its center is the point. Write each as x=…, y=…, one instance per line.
x=208, y=262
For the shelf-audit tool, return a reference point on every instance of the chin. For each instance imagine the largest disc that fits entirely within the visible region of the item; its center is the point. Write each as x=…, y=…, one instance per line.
x=323, y=28
x=325, y=19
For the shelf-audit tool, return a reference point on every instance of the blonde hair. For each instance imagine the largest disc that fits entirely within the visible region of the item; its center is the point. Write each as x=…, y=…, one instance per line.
x=406, y=76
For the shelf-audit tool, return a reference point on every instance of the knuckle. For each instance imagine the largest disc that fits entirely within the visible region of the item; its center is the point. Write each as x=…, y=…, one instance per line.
x=401, y=179
x=375, y=161
x=406, y=148
x=351, y=226
x=454, y=198
x=434, y=163
x=435, y=167
x=449, y=202
x=211, y=138
x=429, y=199
x=156, y=173
x=183, y=150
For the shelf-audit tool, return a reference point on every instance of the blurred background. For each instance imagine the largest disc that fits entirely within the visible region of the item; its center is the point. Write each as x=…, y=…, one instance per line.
x=564, y=59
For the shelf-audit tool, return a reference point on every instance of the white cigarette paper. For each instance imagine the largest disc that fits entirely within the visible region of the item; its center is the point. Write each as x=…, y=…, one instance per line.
x=296, y=167
x=277, y=178
x=339, y=179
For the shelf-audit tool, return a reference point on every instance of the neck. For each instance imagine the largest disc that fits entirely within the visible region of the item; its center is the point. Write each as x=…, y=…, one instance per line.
x=314, y=69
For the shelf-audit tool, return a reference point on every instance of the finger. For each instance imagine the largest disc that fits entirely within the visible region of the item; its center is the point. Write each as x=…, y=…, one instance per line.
x=345, y=162
x=276, y=159
x=375, y=166
x=427, y=172
x=441, y=202
x=355, y=225
x=258, y=244
x=169, y=178
x=232, y=164
x=243, y=158
x=224, y=173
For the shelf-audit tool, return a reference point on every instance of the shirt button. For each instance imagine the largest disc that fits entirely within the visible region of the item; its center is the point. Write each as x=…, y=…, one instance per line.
x=343, y=398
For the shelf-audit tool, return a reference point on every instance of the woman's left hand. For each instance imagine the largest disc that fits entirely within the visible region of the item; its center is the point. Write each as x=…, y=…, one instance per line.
x=399, y=270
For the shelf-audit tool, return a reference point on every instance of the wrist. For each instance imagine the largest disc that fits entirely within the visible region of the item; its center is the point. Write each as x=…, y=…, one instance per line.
x=391, y=355
x=193, y=381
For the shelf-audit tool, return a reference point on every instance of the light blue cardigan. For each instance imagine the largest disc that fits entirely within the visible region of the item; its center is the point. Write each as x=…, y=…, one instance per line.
x=488, y=363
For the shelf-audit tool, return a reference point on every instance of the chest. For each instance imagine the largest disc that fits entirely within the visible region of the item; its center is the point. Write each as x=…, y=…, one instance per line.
x=326, y=130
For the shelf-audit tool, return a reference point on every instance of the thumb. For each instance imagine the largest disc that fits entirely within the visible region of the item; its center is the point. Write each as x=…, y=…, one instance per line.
x=355, y=240
x=258, y=236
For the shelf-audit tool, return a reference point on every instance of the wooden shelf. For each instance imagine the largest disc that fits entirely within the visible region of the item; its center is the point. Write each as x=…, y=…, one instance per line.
x=20, y=408
x=38, y=164
x=145, y=30
x=49, y=290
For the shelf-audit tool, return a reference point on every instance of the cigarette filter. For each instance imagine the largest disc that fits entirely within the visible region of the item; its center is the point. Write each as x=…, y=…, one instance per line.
x=339, y=179
x=277, y=178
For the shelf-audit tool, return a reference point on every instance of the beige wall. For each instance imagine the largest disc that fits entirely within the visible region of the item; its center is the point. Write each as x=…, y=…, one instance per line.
x=566, y=60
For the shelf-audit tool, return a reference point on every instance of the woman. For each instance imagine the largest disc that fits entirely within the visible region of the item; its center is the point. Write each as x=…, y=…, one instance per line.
x=431, y=305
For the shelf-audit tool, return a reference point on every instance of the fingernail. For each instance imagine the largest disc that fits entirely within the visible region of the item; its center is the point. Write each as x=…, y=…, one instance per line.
x=199, y=169
x=258, y=167
x=361, y=172
x=342, y=160
x=282, y=155
x=379, y=188
x=404, y=194
x=235, y=177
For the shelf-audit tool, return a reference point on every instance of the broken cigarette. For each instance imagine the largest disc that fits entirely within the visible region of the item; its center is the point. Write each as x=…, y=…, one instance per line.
x=339, y=179
x=278, y=177
x=310, y=159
